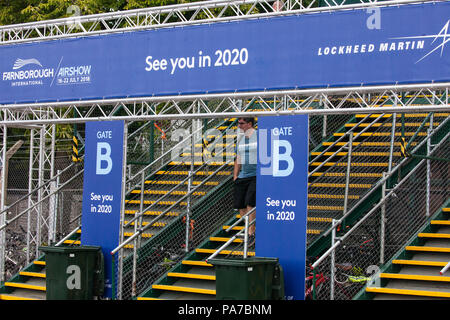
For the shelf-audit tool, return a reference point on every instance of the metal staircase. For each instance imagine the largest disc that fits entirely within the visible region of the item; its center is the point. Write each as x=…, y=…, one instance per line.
x=342, y=183
x=414, y=272
x=156, y=202
x=193, y=278
x=344, y=178
x=347, y=170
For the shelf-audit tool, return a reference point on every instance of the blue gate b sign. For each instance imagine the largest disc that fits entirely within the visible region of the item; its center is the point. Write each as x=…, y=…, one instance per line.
x=281, y=197
x=103, y=171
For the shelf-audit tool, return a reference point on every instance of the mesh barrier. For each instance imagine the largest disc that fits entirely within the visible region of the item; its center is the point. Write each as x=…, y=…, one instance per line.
x=42, y=216
x=361, y=254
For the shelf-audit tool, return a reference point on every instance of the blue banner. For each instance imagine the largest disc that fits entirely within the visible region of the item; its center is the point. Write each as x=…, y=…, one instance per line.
x=281, y=197
x=369, y=46
x=103, y=162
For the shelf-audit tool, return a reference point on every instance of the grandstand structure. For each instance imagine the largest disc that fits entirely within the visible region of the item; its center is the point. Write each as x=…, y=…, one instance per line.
x=378, y=180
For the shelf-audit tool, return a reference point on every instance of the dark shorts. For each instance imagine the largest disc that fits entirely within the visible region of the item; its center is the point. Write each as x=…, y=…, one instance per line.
x=244, y=193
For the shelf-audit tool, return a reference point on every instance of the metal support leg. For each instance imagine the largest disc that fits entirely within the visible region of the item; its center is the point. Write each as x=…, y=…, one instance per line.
x=333, y=262
x=246, y=237
x=347, y=178
x=383, y=221
x=428, y=190
x=122, y=212
x=2, y=207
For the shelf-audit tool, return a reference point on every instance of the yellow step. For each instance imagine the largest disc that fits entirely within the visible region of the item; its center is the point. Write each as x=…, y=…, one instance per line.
x=147, y=298
x=389, y=124
x=223, y=239
x=380, y=134
x=24, y=286
x=318, y=219
x=176, y=182
x=352, y=174
x=340, y=185
x=406, y=115
x=330, y=196
x=413, y=277
x=309, y=231
x=422, y=293
x=32, y=274
x=156, y=224
x=207, y=153
x=445, y=209
x=174, y=193
x=191, y=276
x=235, y=252
x=198, y=163
x=434, y=235
x=196, y=263
x=326, y=208
x=225, y=127
x=353, y=164
x=183, y=289
x=428, y=249
x=441, y=222
x=357, y=154
x=223, y=145
x=153, y=213
x=12, y=297
x=165, y=203
x=421, y=263
x=210, y=136
x=71, y=242
x=198, y=173
x=143, y=235
x=236, y=228
x=366, y=144
x=39, y=263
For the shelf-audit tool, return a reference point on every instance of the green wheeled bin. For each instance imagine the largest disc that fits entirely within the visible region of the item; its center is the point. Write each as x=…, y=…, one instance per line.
x=73, y=273
x=255, y=278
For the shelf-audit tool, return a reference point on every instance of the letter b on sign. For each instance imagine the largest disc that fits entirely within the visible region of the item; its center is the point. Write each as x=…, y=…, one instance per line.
x=104, y=162
x=282, y=157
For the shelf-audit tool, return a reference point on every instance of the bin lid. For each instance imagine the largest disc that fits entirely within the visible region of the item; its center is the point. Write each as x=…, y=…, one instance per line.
x=68, y=249
x=242, y=262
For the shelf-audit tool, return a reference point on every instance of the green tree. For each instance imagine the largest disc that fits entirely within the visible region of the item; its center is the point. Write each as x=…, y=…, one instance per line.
x=20, y=11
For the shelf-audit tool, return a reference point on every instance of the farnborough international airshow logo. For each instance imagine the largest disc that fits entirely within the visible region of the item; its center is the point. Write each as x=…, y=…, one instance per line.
x=31, y=72
x=34, y=74
x=396, y=44
x=21, y=63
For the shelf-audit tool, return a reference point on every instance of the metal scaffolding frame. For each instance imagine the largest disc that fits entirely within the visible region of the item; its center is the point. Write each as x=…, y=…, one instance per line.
x=173, y=16
x=41, y=118
x=285, y=102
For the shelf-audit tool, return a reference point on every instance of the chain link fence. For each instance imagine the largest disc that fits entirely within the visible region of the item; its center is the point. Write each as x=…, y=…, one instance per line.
x=386, y=229
x=40, y=216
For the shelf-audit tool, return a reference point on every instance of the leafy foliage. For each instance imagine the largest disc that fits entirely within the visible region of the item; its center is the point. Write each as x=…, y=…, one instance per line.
x=21, y=11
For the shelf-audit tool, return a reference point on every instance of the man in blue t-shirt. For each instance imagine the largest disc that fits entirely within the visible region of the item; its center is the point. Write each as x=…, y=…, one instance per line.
x=245, y=170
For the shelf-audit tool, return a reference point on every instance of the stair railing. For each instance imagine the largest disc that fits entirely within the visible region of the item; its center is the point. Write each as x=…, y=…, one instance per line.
x=138, y=228
x=336, y=242
x=141, y=229
x=243, y=233
x=444, y=269
x=142, y=173
x=346, y=145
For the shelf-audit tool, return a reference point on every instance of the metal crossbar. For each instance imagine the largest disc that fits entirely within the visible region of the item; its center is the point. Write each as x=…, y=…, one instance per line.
x=169, y=16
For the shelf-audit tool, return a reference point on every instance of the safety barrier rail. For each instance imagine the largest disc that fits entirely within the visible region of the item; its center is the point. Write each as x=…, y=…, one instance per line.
x=349, y=238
